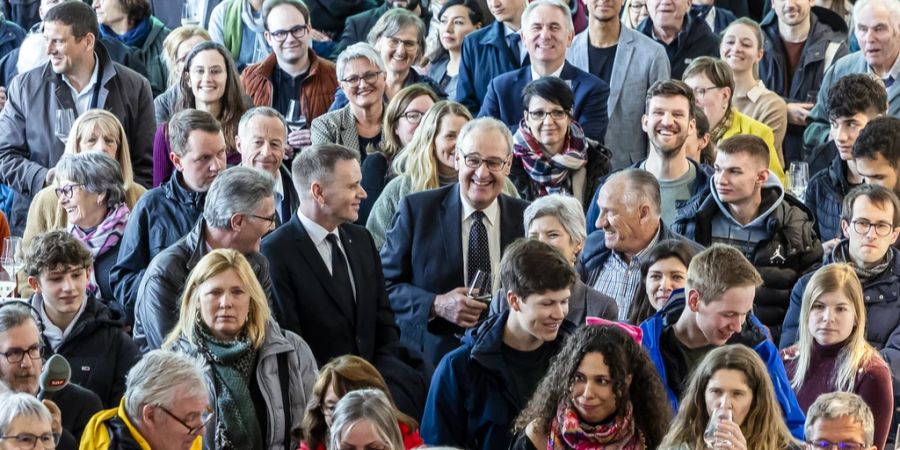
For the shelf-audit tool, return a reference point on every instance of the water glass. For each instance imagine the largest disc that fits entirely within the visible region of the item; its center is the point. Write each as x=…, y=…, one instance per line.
x=798, y=178
x=480, y=287
x=719, y=415
x=12, y=262
x=190, y=12
x=64, y=119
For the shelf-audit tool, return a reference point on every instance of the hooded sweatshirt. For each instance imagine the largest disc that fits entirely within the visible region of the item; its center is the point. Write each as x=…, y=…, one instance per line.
x=727, y=230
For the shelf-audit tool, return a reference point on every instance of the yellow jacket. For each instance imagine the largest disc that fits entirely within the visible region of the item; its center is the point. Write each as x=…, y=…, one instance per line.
x=96, y=433
x=742, y=124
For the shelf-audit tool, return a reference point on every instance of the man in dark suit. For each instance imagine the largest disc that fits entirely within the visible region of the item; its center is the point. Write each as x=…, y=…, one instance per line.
x=441, y=238
x=547, y=31
x=489, y=52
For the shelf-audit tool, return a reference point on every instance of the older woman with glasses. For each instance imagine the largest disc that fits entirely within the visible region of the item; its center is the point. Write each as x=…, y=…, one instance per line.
x=399, y=39
x=260, y=377
x=25, y=422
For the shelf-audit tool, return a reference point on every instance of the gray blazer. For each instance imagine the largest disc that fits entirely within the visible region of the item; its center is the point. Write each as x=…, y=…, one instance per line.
x=584, y=301
x=336, y=127
x=639, y=63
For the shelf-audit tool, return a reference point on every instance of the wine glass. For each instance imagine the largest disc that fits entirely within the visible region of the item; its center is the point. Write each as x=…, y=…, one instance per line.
x=719, y=415
x=64, y=119
x=11, y=262
x=189, y=13
x=480, y=286
x=295, y=118
x=798, y=178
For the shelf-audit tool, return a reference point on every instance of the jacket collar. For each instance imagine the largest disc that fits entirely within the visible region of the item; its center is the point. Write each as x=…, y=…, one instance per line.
x=174, y=191
x=486, y=341
x=107, y=68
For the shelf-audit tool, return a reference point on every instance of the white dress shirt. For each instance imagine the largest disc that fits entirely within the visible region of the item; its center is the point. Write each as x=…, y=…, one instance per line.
x=492, y=225
x=318, y=234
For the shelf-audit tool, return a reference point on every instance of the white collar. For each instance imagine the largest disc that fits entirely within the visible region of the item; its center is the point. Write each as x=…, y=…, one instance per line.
x=556, y=73
x=91, y=83
x=316, y=232
x=491, y=213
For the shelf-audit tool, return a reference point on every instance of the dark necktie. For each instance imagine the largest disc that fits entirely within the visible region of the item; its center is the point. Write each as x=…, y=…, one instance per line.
x=479, y=251
x=513, y=41
x=889, y=81
x=339, y=272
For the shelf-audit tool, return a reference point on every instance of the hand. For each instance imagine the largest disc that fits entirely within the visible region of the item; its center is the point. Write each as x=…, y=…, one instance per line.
x=791, y=352
x=729, y=437
x=297, y=140
x=457, y=307
x=828, y=246
x=2, y=97
x=798, y=112
x=318, y=36
x=56, y=425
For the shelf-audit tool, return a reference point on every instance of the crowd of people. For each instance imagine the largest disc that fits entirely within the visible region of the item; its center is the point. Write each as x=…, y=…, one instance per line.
x=459, y=224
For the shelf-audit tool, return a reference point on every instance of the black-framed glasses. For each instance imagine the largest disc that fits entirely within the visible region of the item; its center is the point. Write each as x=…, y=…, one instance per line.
x=862, y=227
x=16, y=355
x=66, y=191
x=539, y=114
x=271, y=219
x=701, y=91
x=205, y=417
x=828, y=445
x=29, y=441
x=475, y=161
x=368, y=78
x=297, y=32
x=413, y=116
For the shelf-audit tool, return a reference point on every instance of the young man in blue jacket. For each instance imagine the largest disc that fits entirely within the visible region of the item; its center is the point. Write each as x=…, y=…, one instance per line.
x=714, y=309
x=479, y=388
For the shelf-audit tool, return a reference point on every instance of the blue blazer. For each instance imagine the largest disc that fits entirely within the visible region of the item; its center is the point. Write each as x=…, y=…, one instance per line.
x=422, y=257
x=504, y=99
x=485, y=55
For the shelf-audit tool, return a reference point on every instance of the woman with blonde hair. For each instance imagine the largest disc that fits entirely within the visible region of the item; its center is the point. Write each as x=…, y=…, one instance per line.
x=731, y=379
x=338, y=378
x=832, y=353
x=364, y=419
x=260, y=376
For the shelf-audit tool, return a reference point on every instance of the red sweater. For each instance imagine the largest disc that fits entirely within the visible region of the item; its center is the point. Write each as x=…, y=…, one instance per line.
x=411, y=439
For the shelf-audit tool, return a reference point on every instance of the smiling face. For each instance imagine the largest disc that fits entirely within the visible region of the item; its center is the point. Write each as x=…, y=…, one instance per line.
x=879, y=39
x=623, y=225
x=363, y=94
x=867, y=250
x=284, y=18
x=663, y=277
x=455, y=26
x=550, y=132
x=399, y=52
x=224, y=305
x=261, y=142
x=792, y=12
x=547, y=35
x=480, y=186
x=845, y=130
x=592, y=389
x=541, y=314
x=740, y=48
x=668, y=13
x=84, y=209
x=341, y=196
x=548, y=229
x=445, y=141
x=65, y=51
x=208, y=76
x=831, y=318
x=724, y=316
x=63, y=289
x=406, y=126
x=731, y=387
x=668, y=124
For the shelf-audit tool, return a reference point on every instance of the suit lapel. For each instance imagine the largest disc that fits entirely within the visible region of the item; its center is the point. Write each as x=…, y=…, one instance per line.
x=311, y=254
x=451, y=229
x=620, y=66
x=351, y=250
x=509, y=223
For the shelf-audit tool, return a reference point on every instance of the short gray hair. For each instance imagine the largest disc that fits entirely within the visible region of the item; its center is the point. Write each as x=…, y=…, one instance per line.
x=485, y=123
x=15, y=314
x=891, y=5
x=366, y=404
x=394, y=21
x=238, y=190
x=359, y=50
x=316, y=163
x=13, y=405
x=265, y=111
x=639, y=186
x=567, y=209
x=840, y=404
x=558, y=4
x=161, y=378
x=96, y=172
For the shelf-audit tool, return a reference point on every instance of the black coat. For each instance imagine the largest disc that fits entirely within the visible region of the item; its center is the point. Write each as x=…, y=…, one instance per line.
x=331, y=15
x=99, y=351
x=76, y=405
x=694, y=40
x=357, y=26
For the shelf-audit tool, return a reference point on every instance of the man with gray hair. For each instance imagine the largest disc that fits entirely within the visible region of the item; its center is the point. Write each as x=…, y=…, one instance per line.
x=262, y=143
x=628, y=225
x=441, y=239
x=165, y=407
x=547, y=32
x=239, y=210
x=842, y=420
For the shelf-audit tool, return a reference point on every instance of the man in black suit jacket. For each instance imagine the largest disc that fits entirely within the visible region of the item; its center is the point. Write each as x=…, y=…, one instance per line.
x=428, y=253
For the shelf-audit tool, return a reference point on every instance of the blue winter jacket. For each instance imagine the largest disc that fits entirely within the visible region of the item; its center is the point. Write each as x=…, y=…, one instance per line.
x=825, y=196
x=753, y=335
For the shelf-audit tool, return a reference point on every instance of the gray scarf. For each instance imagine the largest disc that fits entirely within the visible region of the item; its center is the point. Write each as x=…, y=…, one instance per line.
x=841, y=254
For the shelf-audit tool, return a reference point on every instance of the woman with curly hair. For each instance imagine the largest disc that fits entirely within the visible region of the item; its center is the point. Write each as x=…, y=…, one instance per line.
x=732, y=377
x=602, y=391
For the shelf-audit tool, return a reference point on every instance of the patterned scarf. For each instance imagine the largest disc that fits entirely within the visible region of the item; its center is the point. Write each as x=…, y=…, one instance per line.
x=841, y=253
x=724, y=125
x=552, y=173
x=232, y=365
x=106, y=235
x=568, y=432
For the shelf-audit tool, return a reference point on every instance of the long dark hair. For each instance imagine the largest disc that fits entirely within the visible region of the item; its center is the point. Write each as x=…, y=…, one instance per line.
x=641, y=308
x=625, y=358
x=233, y=106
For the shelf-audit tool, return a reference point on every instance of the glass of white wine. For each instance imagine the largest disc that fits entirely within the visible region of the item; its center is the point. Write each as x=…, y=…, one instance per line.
x=12, y=263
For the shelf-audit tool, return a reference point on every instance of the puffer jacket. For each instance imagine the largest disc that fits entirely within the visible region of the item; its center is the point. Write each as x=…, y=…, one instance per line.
x=11, y=36
x=792, y=248
x=824, y=197
x=301, y=376
x=159, y=296
x=113, y=430
x=97, y=348
x=316, y=94
x=161, y=217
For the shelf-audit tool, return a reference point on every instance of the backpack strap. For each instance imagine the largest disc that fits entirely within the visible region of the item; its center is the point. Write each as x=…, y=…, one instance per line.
x=283, y=376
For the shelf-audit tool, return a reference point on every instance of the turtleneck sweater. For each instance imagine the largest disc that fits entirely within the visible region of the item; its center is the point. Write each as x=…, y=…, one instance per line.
x=873, y=384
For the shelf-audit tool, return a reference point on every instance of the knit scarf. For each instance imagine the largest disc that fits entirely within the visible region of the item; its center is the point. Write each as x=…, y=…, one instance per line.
x=238, y=13
x=232, y=372
x=134, y=37
x=553, y=174
x=106, y=235
x=724, y=125
x=568, y=432
x=841, y=253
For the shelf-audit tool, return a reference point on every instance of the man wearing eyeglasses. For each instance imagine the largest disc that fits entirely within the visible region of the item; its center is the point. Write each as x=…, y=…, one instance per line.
x=239, y=210
x=21, y=362
x=839, y=420
x=442, y=238
x=165, y=407
x=293, y=73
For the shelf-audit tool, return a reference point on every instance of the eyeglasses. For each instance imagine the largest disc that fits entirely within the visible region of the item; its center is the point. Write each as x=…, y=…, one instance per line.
x=297, y=32
x=29, y=441
x=701, y=91
x=828, y=445
x=882, y=229
x=16, y=355
x=270, y=219
x=413, y=116
x=393, y=43
x=475, y=161
x=637, y=6
x=205, y=417
x=66, y=191
x=368, y=77
x=539, y=115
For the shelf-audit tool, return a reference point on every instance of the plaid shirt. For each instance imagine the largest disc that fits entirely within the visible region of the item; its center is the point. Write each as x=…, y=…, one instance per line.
x=621, y=280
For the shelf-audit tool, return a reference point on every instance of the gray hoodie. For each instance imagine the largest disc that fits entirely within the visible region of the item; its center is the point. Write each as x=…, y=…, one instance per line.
x=727, y=230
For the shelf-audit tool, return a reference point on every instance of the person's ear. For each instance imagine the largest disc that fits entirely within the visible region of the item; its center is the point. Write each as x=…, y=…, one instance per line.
x=237, y=142
x=176, y=161
x=762, y=176
x=148, y=414
x=513, y=301
x=845, y=228
x=101, y=198
x=726, y=94
x=33, y=282
x=895, y=234
x=645, y=121
x=644, y=211
x=317, y=191
x=693, y=300
x=237, y=221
